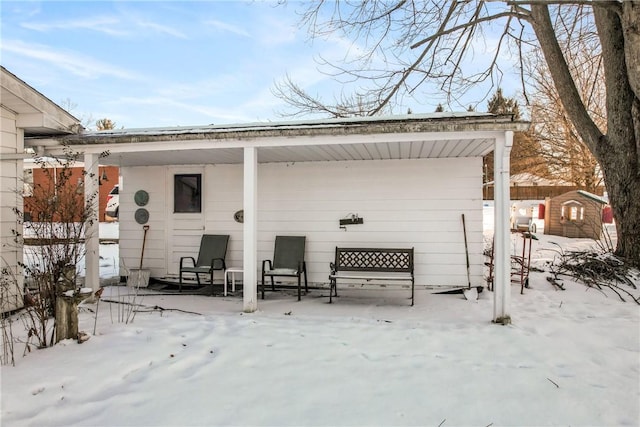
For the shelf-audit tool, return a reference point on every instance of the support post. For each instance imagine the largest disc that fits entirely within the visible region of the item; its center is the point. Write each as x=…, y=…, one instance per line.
x=250, y=241
x=502, y=259
x=92, y=225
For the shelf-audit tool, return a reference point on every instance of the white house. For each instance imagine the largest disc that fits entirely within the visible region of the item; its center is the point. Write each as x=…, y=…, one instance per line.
x=26, y=113
x=409, y=177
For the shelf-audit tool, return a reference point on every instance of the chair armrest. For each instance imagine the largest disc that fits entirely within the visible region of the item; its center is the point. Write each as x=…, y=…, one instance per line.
x=187, y=257
x=302, y=267
x=213, y=264
x=265, y=261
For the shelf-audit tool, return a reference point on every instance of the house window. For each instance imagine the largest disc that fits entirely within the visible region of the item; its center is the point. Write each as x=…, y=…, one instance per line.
x=187, y=193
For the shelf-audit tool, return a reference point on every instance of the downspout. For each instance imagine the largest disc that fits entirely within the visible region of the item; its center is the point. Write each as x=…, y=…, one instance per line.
x=502, y=234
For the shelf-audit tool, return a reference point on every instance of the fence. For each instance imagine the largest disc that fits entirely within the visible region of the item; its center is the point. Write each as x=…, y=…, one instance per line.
x=537, y=192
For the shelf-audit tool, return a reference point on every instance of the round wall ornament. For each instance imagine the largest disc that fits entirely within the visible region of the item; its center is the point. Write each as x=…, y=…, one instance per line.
x=142, y=216
x=239, y=216
x=141, y=197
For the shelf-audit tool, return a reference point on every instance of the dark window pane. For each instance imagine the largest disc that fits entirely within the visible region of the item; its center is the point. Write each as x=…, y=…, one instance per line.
x=187, y=194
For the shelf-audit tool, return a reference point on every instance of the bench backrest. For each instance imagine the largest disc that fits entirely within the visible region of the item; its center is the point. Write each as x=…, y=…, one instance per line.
x=374, y=259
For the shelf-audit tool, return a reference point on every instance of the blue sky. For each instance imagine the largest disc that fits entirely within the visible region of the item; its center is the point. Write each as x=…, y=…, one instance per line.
x=146, y=64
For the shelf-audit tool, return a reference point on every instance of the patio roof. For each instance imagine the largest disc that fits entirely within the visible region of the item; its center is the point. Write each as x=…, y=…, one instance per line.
x=411, y=136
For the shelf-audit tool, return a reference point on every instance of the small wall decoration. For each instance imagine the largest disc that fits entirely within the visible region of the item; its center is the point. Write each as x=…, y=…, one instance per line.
x=142, y=216
x=141, y=198
x=239, y=216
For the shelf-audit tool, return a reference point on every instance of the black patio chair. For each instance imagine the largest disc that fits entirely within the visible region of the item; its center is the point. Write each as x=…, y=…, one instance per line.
x=288, y=261
x=213, y=250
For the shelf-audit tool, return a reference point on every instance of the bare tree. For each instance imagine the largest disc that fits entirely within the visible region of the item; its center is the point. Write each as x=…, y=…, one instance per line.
x=70, y=106
x=525, y=154
x=405, y=44
x=105, y=124
x=52, y=234
x=305, y=103
x=561, y=145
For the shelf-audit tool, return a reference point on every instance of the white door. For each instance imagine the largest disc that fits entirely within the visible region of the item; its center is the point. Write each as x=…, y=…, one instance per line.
x=186, y=214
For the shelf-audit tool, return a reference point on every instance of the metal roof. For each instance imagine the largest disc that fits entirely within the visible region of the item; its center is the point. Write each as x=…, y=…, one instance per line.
x=411, y=136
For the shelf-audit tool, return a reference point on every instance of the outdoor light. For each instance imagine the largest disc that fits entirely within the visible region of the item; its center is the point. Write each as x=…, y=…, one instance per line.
x=103, y=177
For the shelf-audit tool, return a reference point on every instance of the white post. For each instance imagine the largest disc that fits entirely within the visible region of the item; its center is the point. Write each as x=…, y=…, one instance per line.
x=92, y=227
x=250, y=244
x=502, y=234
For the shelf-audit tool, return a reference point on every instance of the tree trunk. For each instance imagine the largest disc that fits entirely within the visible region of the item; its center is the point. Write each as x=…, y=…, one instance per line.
x=66, y=318
x=67, y=299
x=618, y=150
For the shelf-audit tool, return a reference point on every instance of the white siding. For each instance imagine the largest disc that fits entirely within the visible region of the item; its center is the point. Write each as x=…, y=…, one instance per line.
x=404, y=203
x=153, y=181
x=11, y=142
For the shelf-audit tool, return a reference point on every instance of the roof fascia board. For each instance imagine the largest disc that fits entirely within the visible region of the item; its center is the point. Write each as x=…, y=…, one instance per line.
x=269, y=130
x=199, y=144
x=38, y=101
x=44, y=120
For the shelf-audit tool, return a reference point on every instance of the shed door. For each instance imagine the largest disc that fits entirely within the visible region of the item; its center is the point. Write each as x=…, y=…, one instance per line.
x=186, y=214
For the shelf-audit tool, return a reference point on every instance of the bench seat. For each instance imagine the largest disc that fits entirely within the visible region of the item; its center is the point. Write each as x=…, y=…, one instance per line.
x=371, y=264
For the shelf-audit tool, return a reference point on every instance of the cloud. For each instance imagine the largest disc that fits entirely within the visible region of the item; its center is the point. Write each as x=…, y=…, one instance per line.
x=212, y=114
x=162, y=29
x=78, y=65
x=224, y=27
x=101, y=24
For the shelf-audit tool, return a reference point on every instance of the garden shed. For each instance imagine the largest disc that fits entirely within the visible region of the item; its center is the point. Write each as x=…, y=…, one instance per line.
x=575, y=214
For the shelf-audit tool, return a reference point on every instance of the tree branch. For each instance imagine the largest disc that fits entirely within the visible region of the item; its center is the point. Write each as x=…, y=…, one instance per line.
x=467, y=25
x=564, y=82
x=408, y=71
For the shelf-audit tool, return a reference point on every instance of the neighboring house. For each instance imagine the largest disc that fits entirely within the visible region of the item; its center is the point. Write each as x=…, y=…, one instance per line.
x=25, y=113
x=35, y=175
x=576, y=214
x=409, y=177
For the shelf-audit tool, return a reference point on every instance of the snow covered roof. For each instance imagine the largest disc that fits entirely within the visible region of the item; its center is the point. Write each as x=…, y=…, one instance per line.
x=594, y=197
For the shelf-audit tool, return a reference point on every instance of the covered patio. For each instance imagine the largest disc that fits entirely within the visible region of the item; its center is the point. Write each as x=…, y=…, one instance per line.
x=395, y=138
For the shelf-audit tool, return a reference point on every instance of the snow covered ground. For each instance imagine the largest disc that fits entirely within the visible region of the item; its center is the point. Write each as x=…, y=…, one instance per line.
x=569, y=358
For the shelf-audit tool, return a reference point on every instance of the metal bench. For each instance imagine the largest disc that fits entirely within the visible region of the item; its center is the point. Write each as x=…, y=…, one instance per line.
x=371, y=264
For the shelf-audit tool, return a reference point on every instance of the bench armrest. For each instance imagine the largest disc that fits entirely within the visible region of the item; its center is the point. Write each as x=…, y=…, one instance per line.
x=332, y=267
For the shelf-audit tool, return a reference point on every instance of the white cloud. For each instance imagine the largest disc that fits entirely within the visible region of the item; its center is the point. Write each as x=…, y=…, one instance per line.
x=208, y=114
x=76, y=64
x=162, y=29
x=101, y=24
x=223, y=26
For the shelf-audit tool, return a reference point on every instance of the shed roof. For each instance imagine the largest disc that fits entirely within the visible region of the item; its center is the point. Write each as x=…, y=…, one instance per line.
x=412, y=136
x=593, y=197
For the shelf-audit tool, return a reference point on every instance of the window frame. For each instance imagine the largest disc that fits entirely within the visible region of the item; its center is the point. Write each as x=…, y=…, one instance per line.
x=182, y=201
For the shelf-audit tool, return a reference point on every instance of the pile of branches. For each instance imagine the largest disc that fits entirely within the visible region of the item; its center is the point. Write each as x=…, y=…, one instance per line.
x=598, y=271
